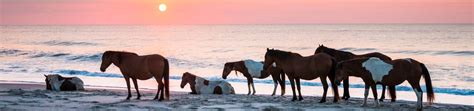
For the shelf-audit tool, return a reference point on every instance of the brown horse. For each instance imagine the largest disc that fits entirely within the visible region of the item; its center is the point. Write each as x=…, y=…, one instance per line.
x=200, y=85
x=373, y=70
x=343, y=55
x=139, y=67
x=253, y=69
x=297, y=67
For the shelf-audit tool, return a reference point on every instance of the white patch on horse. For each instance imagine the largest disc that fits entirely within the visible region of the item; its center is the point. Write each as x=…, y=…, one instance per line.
x=419, y=96
x=377, y=68
x=408, y=59
x=253, y=67
x=55, y=82
x=202, y=88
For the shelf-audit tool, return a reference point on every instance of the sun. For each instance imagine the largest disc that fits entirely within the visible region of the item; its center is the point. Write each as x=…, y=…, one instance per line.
x=162, y=7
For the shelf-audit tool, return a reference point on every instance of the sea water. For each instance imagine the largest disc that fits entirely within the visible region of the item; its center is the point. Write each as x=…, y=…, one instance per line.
x=28, y=52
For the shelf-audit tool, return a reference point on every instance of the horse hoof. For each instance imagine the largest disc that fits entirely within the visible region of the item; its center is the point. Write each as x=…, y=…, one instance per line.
x=381, y=100
x=294, y=99
x=128, y=98
x=322, y=101
x=334, y=101
x=138, y=98
x=393, y=100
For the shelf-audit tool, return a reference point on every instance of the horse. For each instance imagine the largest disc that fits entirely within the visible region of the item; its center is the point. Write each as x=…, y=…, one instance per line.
x=297, y=67
x=343, y=55
x=391, y=73
x=136, y=67
x=56, y=82
x=253, y=69
x=200, y=85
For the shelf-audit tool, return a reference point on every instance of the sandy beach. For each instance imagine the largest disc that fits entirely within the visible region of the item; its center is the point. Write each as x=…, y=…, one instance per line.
x=27, y=96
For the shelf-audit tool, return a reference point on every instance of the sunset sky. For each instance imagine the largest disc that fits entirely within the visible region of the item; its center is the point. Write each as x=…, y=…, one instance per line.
x=86, y=12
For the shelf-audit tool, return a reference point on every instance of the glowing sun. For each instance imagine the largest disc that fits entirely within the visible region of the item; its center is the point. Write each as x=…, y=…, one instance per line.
x=162, y=7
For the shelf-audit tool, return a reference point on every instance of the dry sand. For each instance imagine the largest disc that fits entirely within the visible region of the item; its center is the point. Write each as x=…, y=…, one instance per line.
x=14, y=96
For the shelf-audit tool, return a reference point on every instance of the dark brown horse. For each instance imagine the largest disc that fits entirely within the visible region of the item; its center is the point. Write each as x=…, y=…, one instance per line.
x=343, y=55
x=200, y=85
x=373, y=70
x=253, y=69
x=297, y=67
x=136, y=67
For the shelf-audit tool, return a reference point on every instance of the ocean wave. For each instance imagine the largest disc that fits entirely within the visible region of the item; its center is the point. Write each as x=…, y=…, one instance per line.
x=67, y=43
x=191, y=64
x=445, y=52
x=40, y=54
x=87, y=73
x=454, y=91
x=12, y=52
x=357, y=49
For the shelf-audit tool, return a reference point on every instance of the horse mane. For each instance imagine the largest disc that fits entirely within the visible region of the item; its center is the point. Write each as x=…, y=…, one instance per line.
x=332, y=51
x=121, y=52
x=282, y=54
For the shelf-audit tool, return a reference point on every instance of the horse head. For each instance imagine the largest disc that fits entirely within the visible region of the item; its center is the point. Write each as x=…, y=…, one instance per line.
x=228, y=67
x=269, y=59
x=108, y=58
x=186, y=78
x=53, y=82
x=321, y=48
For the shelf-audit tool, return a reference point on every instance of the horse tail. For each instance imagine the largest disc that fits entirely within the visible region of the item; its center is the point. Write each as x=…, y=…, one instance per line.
x=332, y=76
x=429, y=87
x=392, y=93
x=166, y=73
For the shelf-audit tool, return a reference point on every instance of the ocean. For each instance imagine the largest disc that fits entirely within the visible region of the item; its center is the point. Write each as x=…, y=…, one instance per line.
x=28, y=52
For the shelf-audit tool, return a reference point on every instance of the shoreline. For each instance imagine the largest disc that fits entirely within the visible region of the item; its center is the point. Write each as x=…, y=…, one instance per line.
x=30, y=96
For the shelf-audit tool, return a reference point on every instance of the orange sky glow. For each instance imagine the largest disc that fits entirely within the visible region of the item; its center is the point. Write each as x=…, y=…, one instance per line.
x=86, y=12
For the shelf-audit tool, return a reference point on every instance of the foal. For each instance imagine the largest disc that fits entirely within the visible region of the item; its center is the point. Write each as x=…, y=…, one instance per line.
x=200, y=85
x=373, y=70
x=253, y=69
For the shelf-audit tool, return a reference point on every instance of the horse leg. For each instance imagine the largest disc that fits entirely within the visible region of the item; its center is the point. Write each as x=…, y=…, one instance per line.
x=292, y=82
x=136, y=88
x=162, y=93
x=127, y=79
x=248, y=84
x=325, y=88
x=253, y=86
x=383, y=93
x=366, y=93
x=345, y=84
x=374, y=92
x=298, y=85
x=160, y=85
x=419, y=94
x=275, y=84
x=282, y=84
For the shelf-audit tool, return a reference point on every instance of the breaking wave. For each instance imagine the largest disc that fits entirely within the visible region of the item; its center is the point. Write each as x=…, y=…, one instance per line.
x=67, y=43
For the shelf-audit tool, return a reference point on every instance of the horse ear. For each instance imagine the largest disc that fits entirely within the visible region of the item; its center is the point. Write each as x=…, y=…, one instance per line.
x=45, y=75
x=268, y=49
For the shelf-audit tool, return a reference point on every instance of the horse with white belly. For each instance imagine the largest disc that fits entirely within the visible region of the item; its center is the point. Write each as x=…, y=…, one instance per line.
x=200, y=85
x=56, y=82
x=374, y=70
x=253, y=69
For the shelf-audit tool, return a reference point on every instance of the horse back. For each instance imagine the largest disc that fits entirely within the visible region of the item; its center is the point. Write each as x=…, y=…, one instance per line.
x=403, y=69
x=378, y=55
